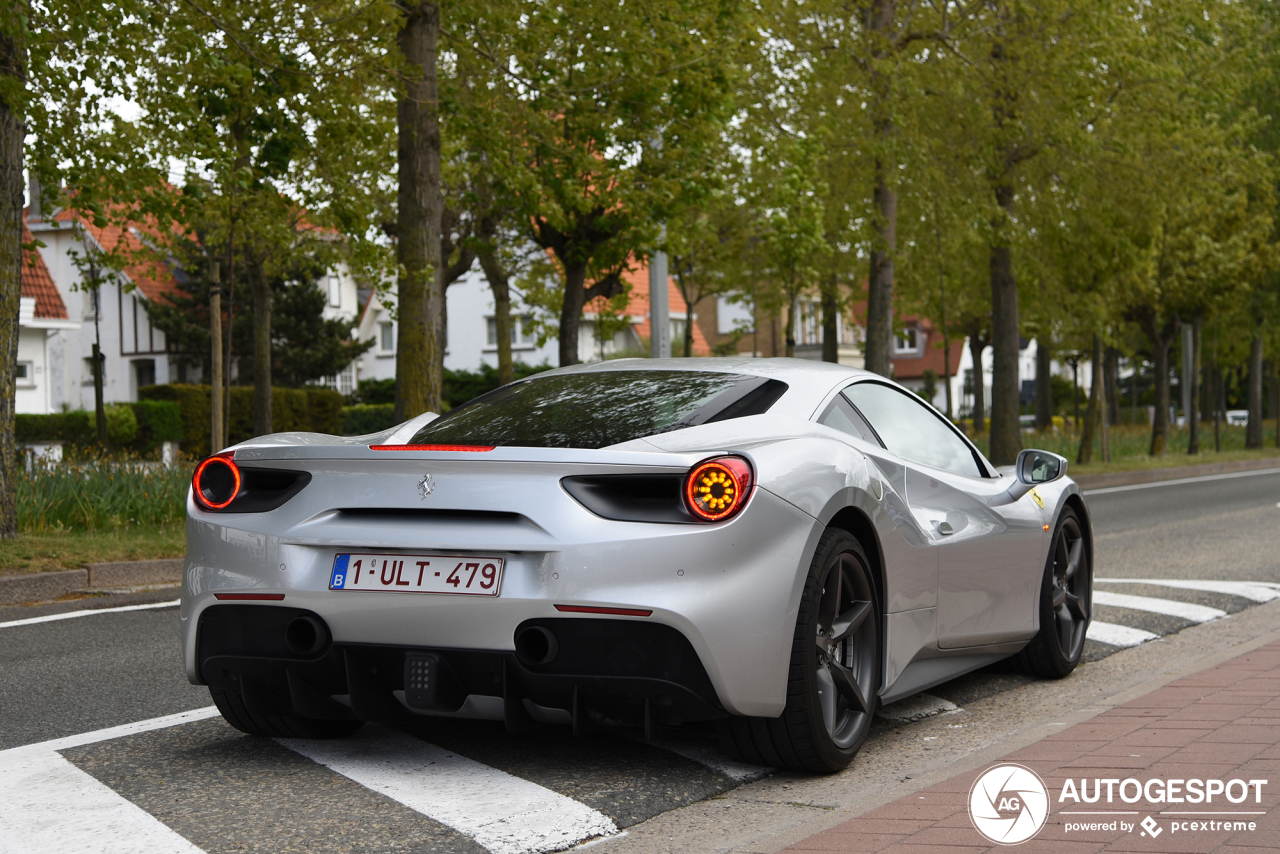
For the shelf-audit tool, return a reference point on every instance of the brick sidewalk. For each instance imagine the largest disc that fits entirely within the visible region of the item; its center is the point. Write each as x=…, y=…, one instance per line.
x=1221, y=723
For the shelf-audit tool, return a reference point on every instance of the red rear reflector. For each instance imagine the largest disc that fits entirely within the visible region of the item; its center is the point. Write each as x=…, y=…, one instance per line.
x=473, y=448
x=616, y=612
x=249, y=597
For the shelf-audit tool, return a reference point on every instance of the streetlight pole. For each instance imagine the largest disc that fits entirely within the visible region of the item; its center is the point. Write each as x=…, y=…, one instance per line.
x=659, y=308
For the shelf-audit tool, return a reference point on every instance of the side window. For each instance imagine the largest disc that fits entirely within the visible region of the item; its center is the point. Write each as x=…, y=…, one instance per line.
x=912, y=430
x=843, y=417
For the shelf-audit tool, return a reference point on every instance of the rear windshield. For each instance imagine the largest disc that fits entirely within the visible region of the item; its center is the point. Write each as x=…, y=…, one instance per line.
x=600, y=408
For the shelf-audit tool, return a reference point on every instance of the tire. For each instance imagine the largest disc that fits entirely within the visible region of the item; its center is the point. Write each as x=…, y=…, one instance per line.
x=233, y=710
x=832, y=687
x=1066, y=603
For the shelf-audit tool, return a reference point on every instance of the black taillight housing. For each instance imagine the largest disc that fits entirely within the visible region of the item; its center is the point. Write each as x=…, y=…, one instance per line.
x=221, y=486
x=712, y=491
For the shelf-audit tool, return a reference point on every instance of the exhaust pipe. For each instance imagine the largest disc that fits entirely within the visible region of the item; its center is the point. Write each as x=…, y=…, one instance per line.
x=306, y=635
x=536, y=645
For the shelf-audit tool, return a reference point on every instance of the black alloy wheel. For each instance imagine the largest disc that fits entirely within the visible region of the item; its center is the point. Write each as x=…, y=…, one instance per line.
x=834, y=675
x=1066, y=602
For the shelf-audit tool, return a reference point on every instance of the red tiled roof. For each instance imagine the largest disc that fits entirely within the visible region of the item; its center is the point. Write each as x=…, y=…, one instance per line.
x=151, y=277
x=638, y=307
x=36, y=282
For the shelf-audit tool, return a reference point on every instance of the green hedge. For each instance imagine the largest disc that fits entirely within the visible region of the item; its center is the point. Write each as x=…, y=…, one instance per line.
x=138, y=427
x=367, y=418
x=314, y=410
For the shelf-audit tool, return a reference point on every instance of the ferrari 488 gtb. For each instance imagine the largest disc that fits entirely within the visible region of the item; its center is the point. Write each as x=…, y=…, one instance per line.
x=777, y=544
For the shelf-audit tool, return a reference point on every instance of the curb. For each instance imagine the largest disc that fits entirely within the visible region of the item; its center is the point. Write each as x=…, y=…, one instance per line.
x=42, y=586
x=1128, y=478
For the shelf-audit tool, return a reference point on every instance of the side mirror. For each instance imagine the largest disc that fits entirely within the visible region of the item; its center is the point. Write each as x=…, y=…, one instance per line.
x=1032, y=469
x=1035, y=467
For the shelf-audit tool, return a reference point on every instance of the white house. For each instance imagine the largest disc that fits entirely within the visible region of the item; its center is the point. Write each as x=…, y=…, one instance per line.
x=471, y=334
x=42, y=327
x=136, y=354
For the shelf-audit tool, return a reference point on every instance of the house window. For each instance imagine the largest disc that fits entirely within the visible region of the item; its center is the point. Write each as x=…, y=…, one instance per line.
x=144, y=371
x=387, y=337
x=335, y=291
x=908, y=343
x=808, y=322
x=92, y=304
x=521, y=331
x=24, y=375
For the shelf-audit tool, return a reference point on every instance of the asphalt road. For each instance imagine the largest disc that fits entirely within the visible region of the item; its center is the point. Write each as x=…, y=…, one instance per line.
x=204, y=785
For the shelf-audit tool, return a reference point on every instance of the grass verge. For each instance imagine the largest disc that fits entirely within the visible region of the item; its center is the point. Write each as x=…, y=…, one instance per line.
x=73, y=549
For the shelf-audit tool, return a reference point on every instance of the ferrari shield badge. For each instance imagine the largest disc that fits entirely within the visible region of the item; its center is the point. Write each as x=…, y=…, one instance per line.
x=1035, y=496
x=427, y=485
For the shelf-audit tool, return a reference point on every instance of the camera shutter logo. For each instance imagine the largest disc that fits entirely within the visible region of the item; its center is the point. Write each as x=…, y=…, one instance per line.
x=1008, y=804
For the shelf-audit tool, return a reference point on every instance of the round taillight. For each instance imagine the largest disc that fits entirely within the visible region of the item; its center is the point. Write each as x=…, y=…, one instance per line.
x=216, y=482
x=718, y=488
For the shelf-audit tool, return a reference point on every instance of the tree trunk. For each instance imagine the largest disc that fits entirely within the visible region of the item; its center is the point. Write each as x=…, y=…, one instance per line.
x=215, y=367
x=976, y=346
x=261, y=349
x=879, y=344
x=688, y=327
x=500, y=285
x=1094, y=411
x=1161, y=340
x=13, y=69
x=1253, y=432
x=878, y=354
x=1006, y=436
x=1193, y=414
x=99, y=410
x=791, y=328
x=575, y=279
x=420, y=349
x=830, y=323
x=1044, y=387
x=1111, y=360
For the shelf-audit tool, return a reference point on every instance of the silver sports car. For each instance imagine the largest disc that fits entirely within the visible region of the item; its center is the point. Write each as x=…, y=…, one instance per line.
x=777, y=544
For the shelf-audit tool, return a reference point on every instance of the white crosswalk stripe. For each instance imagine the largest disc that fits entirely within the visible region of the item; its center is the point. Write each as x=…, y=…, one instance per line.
x=1256, y=591
x=47, y=804
x=1117, y=635
x=1169, y=607
x=505, y=814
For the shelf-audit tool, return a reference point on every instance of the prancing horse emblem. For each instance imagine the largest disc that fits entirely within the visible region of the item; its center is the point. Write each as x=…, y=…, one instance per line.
x=426, y=486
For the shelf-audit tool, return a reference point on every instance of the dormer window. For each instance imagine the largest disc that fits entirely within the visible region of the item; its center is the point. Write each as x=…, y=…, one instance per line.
x=909, y=342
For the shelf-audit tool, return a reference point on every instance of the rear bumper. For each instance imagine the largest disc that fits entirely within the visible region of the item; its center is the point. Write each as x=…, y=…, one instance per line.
x=603, y=672
x=730, y=590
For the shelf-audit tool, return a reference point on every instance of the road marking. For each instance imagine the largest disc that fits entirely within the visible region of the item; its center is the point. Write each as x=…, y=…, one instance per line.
x=109, y=733
x=1116, y=635
x=1257, y=591
x=503, y=813
x=917, y=708
x=48, y=804
x=70, y=615
x=1181, y=480
x=739, y=772
x=1185, y=610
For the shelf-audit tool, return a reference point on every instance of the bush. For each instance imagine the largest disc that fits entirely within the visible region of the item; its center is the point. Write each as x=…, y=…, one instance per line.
x=122, y=425
x=74, y=428
x=315, y=410
x=101, y=495
x=374, y=391
x=364, y=418
x=158, y=421
x=138, y=428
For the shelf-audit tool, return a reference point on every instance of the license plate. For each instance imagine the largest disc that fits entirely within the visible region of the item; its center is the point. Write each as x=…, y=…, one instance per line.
x=464, y=575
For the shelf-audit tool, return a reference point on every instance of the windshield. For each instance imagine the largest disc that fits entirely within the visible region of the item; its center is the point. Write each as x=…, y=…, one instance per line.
x=600, y=408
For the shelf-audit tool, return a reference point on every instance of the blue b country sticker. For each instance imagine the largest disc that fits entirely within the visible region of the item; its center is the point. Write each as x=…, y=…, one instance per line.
x=339, y=577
